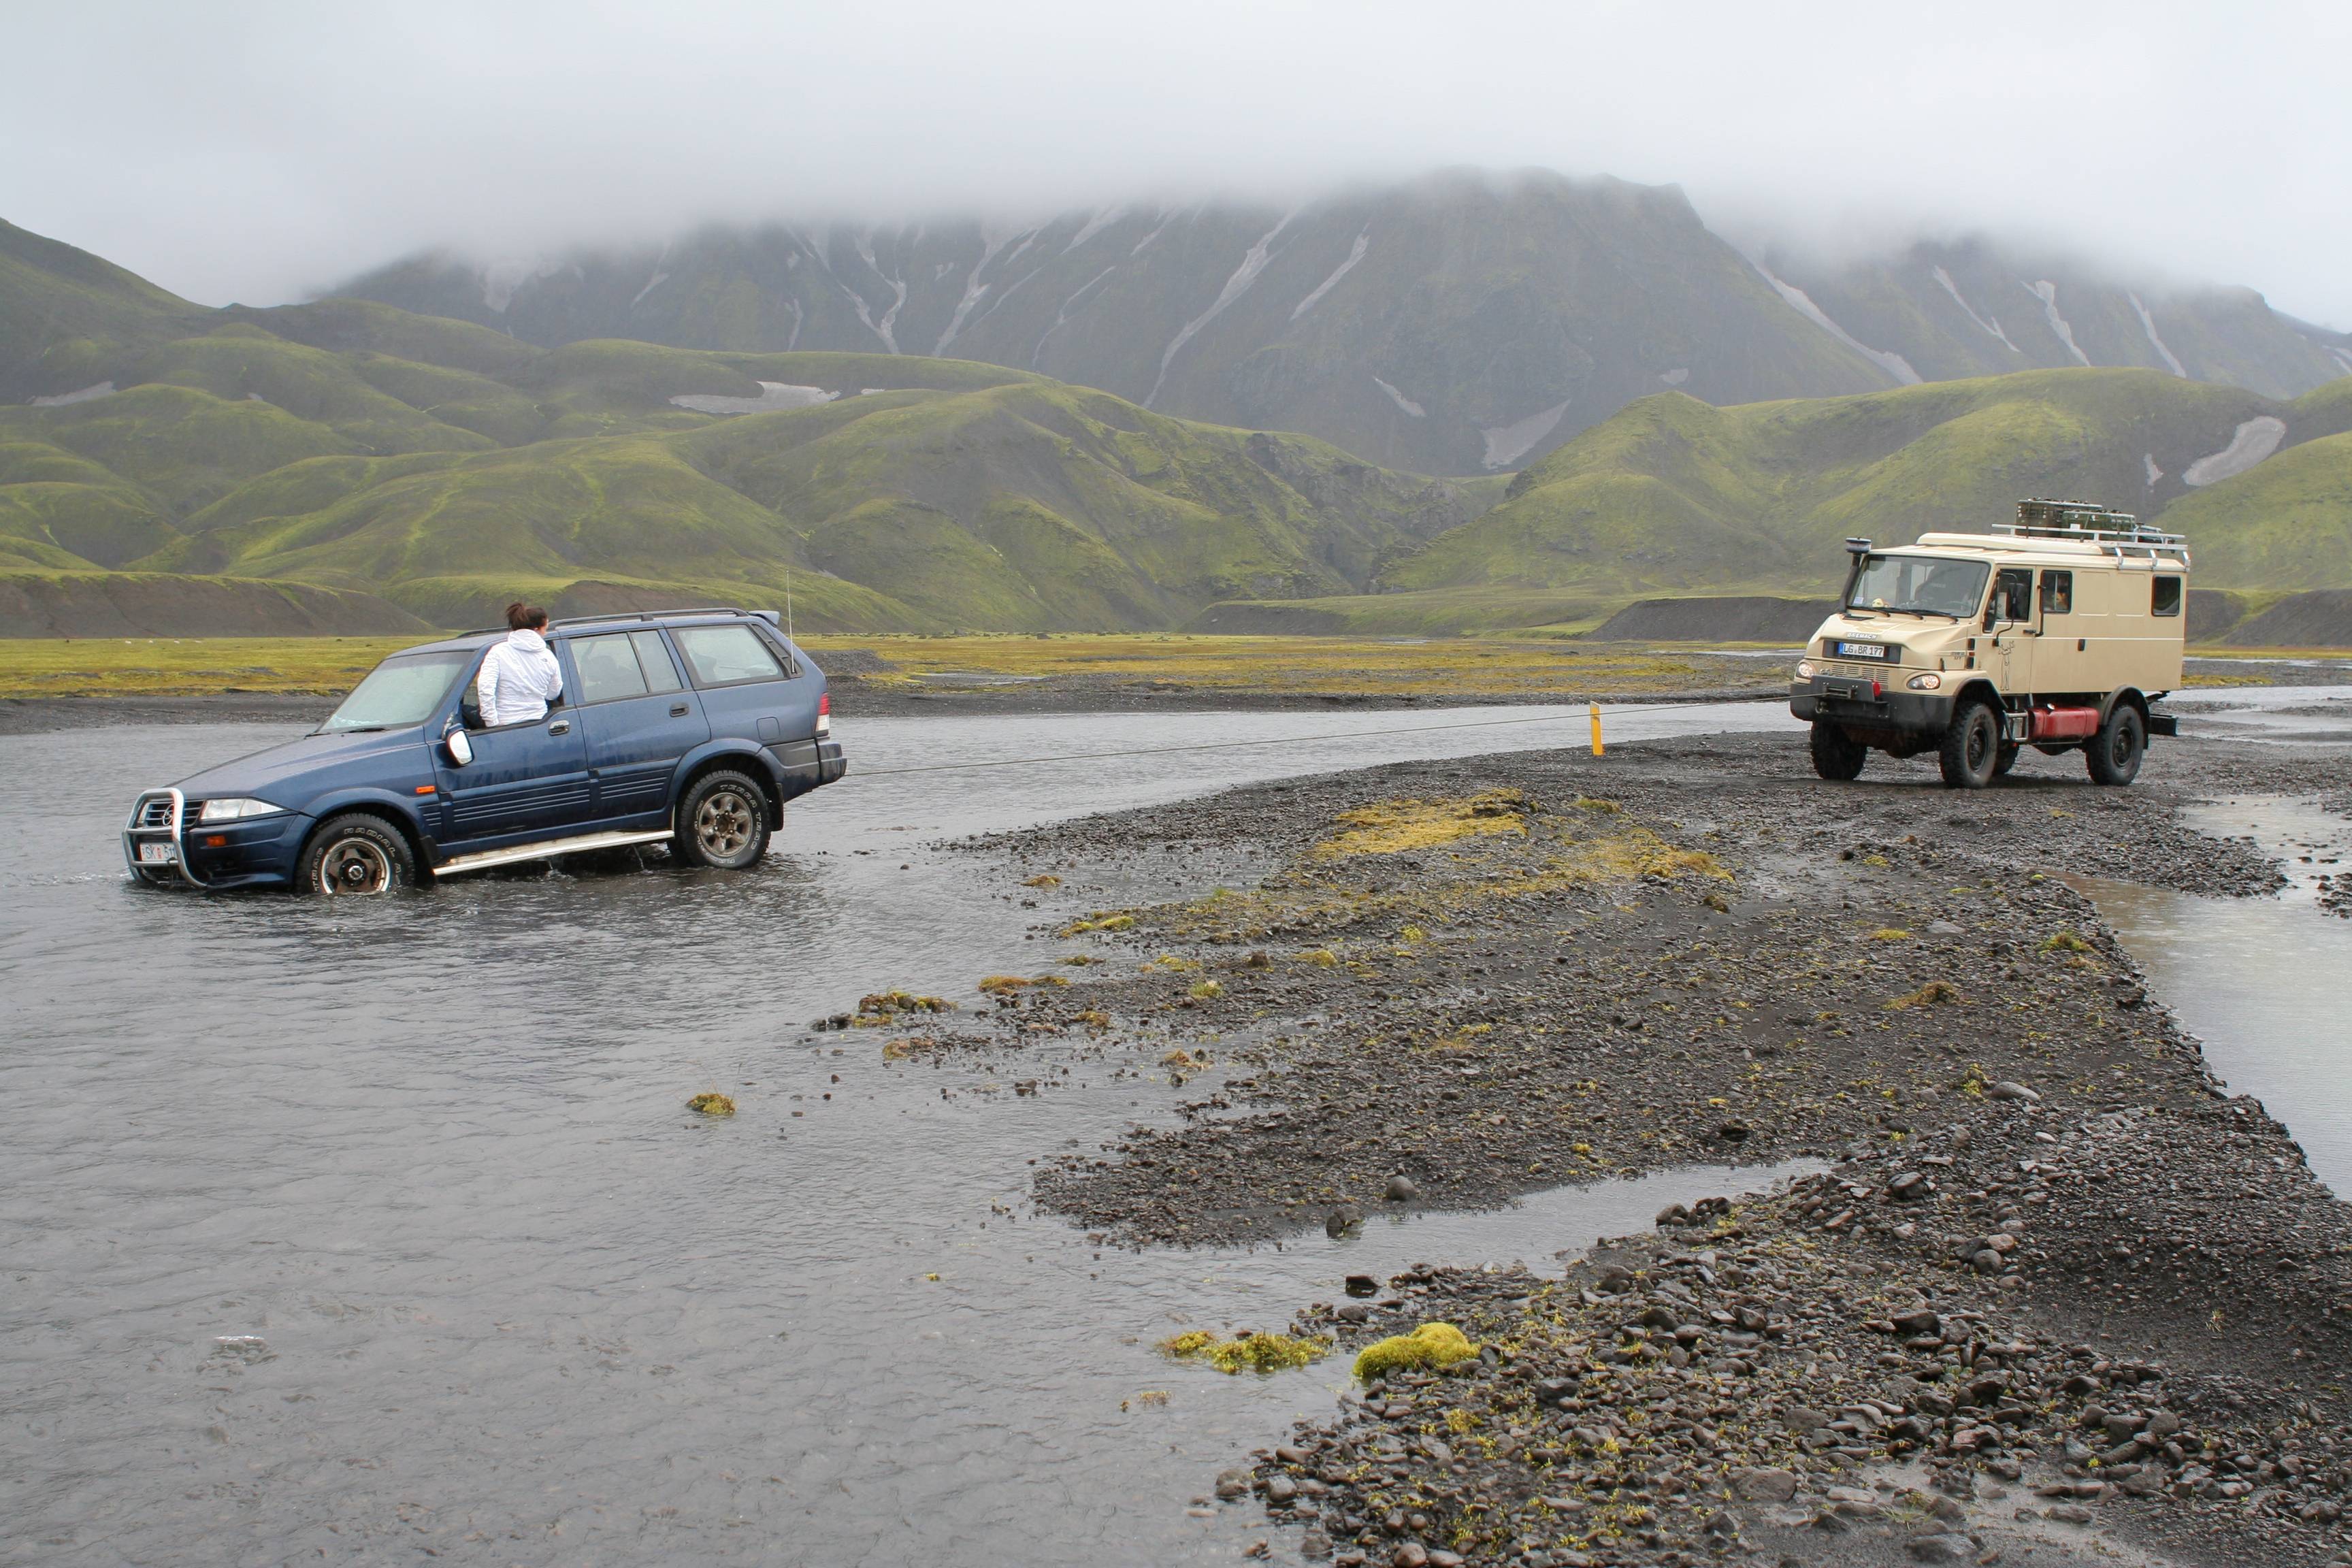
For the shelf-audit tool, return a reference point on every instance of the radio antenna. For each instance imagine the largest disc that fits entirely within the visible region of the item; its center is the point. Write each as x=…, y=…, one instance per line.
x=788, y=601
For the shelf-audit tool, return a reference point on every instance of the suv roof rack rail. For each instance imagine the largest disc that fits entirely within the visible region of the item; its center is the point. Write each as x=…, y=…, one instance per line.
x=638, y=615
x=2084, y=521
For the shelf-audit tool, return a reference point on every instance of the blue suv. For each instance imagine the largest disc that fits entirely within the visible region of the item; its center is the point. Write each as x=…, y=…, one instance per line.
x=690, y=727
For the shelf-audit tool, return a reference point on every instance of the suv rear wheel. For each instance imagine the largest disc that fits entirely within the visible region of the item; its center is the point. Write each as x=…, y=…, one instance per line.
x=2114, y=753
x=1972, y=748
x=722, y=823
x=1837, y=755
x=355, y=854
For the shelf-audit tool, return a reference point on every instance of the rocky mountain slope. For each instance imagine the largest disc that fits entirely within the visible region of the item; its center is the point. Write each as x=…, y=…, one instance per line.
x=1463, y=323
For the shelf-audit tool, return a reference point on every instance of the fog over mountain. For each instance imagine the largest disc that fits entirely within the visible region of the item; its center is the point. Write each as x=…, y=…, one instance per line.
x=265, y=151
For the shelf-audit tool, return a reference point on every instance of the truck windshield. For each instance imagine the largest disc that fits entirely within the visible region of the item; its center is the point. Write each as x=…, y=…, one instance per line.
x=404, y=690
x=1922, y=584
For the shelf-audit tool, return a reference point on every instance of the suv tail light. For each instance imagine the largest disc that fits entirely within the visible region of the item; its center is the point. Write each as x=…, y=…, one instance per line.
x=824, y=713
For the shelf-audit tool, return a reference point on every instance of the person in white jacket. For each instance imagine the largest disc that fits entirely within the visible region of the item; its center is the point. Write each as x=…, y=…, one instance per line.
x=519, y=676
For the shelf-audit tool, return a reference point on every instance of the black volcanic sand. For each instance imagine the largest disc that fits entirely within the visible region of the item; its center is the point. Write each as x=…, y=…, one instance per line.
x=2056, y=1290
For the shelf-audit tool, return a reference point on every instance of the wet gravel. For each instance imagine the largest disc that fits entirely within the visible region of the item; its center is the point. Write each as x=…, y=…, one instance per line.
x=2053, y=1281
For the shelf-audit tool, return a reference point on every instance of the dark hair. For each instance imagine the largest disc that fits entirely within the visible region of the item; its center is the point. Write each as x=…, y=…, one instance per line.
x=521, y=618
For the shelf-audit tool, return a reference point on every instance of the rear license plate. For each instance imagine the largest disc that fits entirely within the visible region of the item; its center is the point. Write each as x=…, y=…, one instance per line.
x=158, y=855
x=1861, y=650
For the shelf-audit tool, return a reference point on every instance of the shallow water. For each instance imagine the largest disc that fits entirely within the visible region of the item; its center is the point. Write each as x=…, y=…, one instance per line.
x=514, y=1304
x=2263, y=982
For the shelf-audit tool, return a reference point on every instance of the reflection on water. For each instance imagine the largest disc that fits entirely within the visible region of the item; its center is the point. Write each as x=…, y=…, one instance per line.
x=514, y=1304
x=2261, y=981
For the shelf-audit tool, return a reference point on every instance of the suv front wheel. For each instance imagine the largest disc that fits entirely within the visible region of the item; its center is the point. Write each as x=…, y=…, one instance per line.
x=723, y=822
x=355, y=854
x=1970, y=754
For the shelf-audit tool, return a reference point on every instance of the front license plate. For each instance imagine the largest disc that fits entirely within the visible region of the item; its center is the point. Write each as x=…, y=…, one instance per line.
x=158, y=855
x=1861, y=650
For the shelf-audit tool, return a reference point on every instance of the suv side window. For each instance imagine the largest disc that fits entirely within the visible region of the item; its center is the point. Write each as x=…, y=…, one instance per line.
x=2057, y=592
x=726, y=656
x=608, y=668
x=2164, y=596
x=652, y=657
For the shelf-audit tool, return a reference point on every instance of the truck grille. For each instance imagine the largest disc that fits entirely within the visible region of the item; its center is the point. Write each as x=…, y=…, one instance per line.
x=154, y=811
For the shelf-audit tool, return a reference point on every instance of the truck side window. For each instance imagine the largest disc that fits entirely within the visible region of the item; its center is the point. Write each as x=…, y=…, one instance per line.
x=2164, y=598
x=2013, y=594
x=660, y=669
x=727, y=656
x=2057, y=592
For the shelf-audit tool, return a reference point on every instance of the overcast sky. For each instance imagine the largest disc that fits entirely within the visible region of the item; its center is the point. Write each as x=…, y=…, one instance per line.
x=263, y=151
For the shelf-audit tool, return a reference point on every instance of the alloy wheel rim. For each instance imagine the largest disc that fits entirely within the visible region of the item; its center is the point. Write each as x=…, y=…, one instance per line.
x=354, y=866
x=722, y=826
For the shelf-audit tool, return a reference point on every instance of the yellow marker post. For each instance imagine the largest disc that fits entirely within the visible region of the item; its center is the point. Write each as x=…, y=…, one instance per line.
x=1597, y=749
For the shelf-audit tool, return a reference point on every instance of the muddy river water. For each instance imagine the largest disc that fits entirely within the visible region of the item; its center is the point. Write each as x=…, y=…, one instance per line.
x=335, y=1231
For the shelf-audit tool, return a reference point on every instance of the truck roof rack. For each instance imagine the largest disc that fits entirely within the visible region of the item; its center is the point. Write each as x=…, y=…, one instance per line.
x=2090, y=524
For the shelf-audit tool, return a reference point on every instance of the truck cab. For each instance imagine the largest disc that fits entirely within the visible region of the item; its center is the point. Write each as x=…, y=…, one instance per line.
x=2059, y=630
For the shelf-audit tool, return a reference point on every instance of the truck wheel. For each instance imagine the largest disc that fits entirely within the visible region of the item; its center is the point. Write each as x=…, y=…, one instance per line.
x=1972, y=748
x=2114, y=753
x=1837, y=755
x=355, y=854
x=722, y=823
x=2006, y=760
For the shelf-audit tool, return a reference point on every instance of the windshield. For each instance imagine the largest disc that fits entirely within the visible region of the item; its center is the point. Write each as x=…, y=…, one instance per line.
x=1919, y=583
x=404, y=690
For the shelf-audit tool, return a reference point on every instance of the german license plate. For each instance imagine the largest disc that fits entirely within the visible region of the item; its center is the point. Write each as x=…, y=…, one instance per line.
x=157, y=854
x=1861, y=650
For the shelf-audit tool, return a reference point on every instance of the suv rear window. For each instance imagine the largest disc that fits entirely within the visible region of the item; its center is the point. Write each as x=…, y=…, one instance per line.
x=2165, y=598
x=726, y=656
x=614, y=665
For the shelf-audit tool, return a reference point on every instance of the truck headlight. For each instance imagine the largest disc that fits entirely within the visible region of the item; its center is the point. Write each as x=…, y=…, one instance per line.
x=1804, y=669
x=235, y=808
x=1924, y=682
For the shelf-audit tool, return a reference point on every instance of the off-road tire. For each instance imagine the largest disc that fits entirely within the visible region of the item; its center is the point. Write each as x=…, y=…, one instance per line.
x=723, y=822
x=1972, y=748
x=1837, y=756
x=2005, y=761
x=2114, y=753
x=355, y=854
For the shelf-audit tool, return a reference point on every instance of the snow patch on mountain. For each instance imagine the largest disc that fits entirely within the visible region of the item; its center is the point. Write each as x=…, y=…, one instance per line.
x=974, y=289
x=1355, y=253
x=1507, y=444
x=2255, y=439
x=882, y=329
x=1991, y=326
x=1401, y=400
x=502, y=280
x=2154, y=473
x=1095, y=226
x=1252, y=263
x=85, y=394
x=1061, y=316
x=772, y=394
x=1676, y=376
x=2147, y=325
x=1892, y=364
x=2047, y=293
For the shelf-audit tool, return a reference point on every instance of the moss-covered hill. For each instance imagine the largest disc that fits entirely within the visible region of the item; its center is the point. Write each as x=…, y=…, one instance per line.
x=1673, y=495
x=447, y=468
x=425, y=470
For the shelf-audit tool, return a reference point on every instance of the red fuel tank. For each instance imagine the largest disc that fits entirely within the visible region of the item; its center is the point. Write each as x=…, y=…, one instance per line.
x=2065, y=723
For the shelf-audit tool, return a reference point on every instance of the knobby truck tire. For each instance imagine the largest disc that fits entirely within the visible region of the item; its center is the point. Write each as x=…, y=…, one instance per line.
x=1837, y=756
x=1972, y=748
x=723, y=822
x=355, y=854
x=2114, y=753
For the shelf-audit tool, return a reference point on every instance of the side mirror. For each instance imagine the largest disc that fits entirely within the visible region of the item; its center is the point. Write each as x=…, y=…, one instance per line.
x=461, y=749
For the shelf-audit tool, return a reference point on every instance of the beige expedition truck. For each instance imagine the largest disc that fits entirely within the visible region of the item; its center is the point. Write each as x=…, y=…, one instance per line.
x=2056, y=631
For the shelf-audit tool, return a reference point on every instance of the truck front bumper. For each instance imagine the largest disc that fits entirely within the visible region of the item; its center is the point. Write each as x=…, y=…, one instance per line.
x=1865, y=705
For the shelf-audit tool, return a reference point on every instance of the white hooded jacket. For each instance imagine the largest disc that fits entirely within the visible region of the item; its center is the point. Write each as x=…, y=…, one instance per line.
x=518, y=677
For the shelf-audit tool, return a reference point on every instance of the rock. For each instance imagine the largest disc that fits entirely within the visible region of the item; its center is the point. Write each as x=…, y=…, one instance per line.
x=1232, y=1484
x=1909, y=1184
x=1362, y=1285
x=1765, y=1486
x=1943, y=1548
x=1613, y=1281
x=1672, y=1214
x=1280, y=1489
x=2007, y=1089
x=1401, y=1190
x=1943, y=927
x=1722, y=1526
x=1411, y=1554
x=2068, y=1513
x=1342, y=1220
x=1314, y=1545
x=1921, y=1322
x=1803, y=1418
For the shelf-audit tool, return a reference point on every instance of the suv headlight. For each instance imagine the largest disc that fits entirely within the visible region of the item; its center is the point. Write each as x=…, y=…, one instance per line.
x=1927, y=682
x=235, y=808
x=1804, y=669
